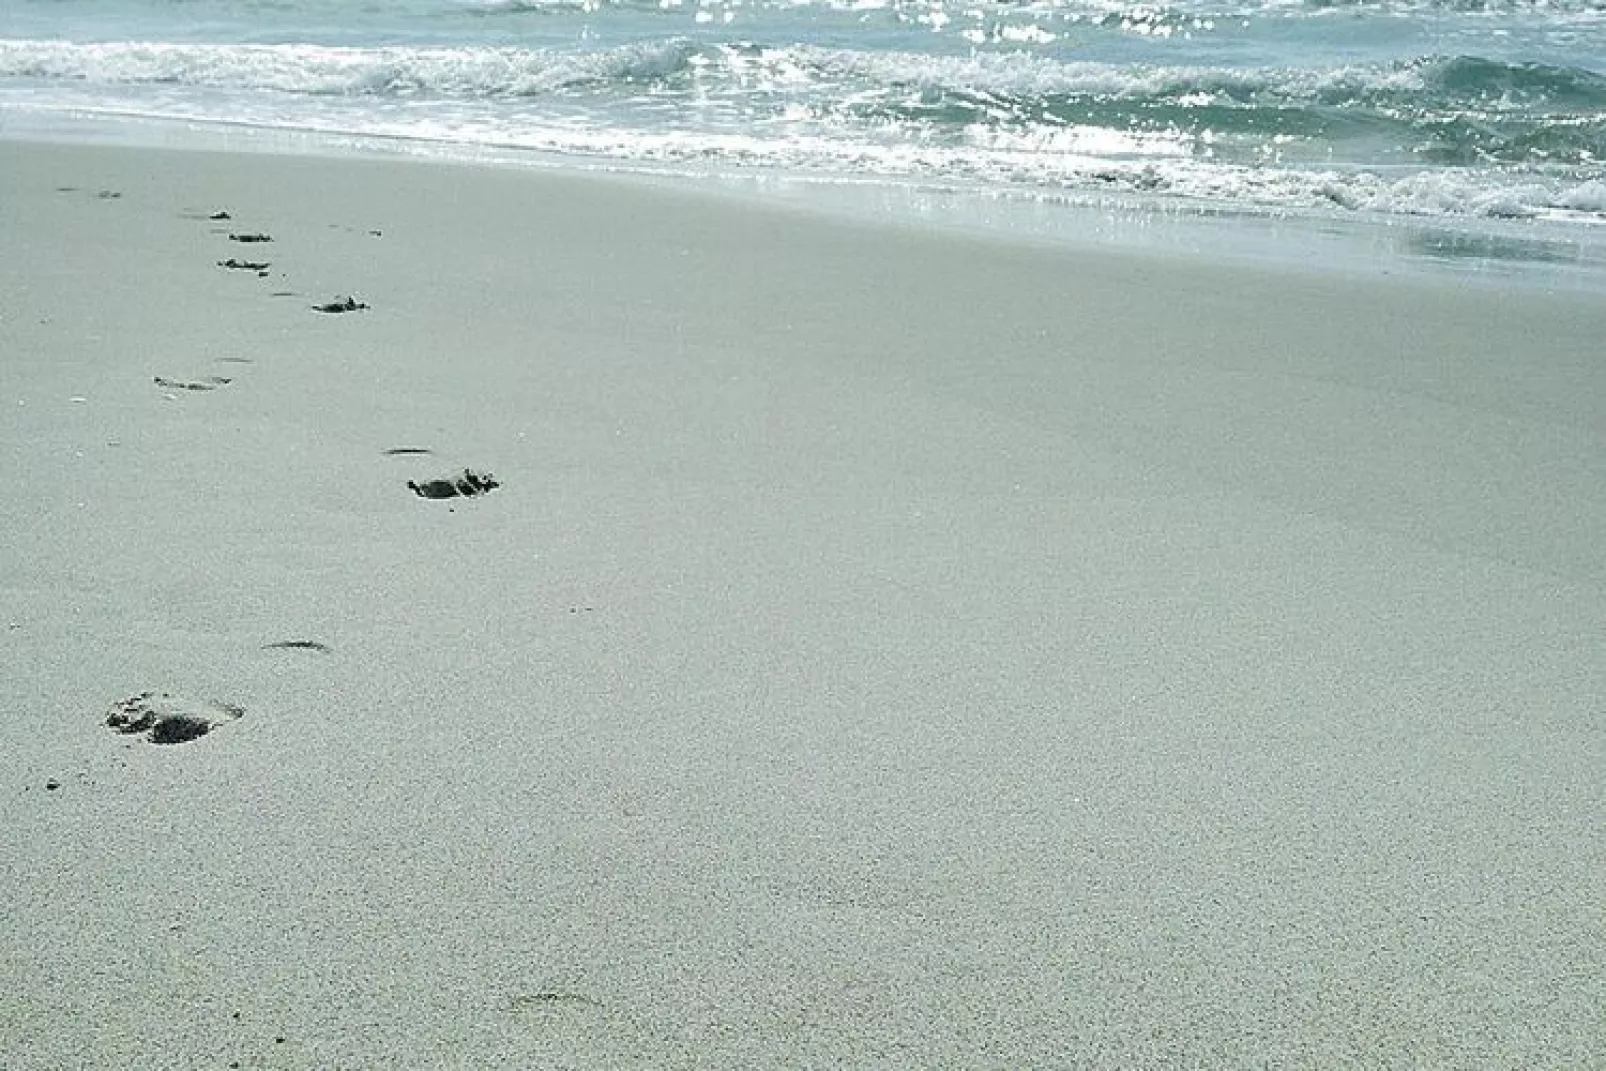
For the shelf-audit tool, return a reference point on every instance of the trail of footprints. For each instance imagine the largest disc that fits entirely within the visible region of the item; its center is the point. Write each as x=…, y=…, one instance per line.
x=167, y=719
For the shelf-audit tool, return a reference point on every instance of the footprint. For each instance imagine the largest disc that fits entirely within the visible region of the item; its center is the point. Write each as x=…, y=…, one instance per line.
x=298, y=645
x=250, y=238
x=209, y=383
x=167, y=719
x=258, y=266
x=402, y=451
x=348, y=304
x=469, y=484
x=550, y=998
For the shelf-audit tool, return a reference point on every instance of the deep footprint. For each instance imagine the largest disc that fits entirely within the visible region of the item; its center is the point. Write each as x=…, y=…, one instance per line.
x=469, y=484
x=166, y=719
x=250, y=237
x=209, y=383
x=244, y=265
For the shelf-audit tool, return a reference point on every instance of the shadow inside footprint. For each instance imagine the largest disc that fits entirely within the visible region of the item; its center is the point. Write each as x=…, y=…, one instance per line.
x=469, y=484
x=250, y=238
x=244, y=265
x=167, y=719
x=209, y=383
x=403, y=451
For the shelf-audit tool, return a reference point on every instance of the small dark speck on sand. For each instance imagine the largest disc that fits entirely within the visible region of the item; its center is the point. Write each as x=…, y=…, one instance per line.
x=220, y=215
x=52, y=784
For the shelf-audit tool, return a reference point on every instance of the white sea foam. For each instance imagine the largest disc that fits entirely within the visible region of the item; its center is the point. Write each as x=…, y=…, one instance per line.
x=1526, y=138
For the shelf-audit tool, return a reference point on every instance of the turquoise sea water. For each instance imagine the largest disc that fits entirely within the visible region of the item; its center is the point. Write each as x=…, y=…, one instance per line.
x=1467, y=132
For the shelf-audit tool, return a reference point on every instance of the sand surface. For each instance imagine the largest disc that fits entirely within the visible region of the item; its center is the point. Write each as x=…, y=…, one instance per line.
x=882, y=650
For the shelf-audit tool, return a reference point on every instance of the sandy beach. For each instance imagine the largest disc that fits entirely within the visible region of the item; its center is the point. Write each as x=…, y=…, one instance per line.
x=880, y=649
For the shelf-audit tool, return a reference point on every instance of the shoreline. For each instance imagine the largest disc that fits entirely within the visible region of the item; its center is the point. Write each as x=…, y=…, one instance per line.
x=878, y=647
x=1490, y=254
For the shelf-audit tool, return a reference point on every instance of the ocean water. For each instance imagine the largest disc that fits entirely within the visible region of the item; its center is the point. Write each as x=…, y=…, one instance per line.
x=1466, y=133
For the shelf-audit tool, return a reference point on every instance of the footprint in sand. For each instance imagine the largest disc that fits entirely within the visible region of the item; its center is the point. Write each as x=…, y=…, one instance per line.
x=259, y=266
x=469, y=484
x=298, y=645
x=206, y=383
x=103, y=195
x=167, y=719
x=407, y=451
x=551, y=999
x=348, y=304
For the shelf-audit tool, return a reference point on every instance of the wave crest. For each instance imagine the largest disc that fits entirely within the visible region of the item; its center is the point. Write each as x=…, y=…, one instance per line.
x=326, y=70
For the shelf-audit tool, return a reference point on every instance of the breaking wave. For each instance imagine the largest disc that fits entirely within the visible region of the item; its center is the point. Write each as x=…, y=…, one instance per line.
x=1435, y=135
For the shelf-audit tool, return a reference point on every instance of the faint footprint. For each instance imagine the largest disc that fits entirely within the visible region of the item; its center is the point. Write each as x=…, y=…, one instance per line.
x=298, y=645
x=550, y=998
x=167, y=719
x=208, y=383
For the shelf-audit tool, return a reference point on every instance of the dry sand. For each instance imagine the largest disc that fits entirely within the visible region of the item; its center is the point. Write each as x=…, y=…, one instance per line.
x=883, y=649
